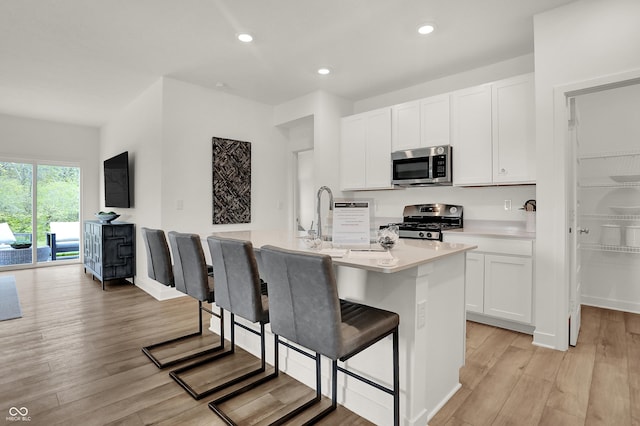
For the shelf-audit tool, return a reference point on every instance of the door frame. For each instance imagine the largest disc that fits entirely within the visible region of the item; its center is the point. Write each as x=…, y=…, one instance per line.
x=35, y=162
x=562, y=94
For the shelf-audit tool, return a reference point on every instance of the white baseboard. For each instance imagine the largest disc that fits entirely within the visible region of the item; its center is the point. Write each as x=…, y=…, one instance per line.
x=544, y=340
x=616, y=305
x=502, y=323
x=157, y=290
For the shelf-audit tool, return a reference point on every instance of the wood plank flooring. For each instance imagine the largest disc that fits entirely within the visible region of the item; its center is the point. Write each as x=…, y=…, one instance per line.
x=75, y=359
x=508, y=381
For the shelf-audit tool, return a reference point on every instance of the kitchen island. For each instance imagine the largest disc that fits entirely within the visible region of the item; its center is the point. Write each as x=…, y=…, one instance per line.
x=425, y=285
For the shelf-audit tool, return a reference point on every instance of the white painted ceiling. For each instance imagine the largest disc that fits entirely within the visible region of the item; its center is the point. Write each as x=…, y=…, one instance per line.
x=81, y=61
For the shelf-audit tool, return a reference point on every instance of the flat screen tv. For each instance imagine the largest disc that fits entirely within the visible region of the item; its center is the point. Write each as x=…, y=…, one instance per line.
x=116, y=181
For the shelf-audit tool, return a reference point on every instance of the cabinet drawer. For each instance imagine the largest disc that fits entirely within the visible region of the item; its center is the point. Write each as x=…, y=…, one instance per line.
x=511, y=246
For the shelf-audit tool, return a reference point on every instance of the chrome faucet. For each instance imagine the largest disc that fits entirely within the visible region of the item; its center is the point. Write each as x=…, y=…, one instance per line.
x=318, y=205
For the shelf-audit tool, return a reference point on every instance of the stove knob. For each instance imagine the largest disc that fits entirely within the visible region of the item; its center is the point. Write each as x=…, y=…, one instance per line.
x=428, y=234
x=421, y=234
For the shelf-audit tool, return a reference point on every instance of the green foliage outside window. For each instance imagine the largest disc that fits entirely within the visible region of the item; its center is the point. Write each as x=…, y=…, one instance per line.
x=58, y=196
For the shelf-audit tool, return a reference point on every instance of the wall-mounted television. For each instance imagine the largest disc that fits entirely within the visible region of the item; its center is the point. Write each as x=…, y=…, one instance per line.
x=116, y=181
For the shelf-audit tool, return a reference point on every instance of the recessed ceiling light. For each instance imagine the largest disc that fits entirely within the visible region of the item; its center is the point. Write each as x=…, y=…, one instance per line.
x=324, y=71
x=245, y=37
x=425, y=29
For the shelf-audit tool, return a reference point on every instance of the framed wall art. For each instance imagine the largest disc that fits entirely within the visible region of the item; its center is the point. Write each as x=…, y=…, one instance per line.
x=231, y=170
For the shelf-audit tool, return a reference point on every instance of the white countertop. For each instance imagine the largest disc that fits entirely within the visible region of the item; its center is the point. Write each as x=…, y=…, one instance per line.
x=491, y=228
x=407, y=253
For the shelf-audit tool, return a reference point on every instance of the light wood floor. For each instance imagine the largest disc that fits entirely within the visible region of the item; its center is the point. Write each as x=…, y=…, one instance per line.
x=507, y=381
x=74, y=359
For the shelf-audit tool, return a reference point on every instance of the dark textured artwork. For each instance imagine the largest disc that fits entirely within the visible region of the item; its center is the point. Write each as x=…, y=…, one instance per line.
x=231, y=181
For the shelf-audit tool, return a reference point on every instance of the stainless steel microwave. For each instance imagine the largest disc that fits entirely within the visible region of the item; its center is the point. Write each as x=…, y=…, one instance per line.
x=422, y=166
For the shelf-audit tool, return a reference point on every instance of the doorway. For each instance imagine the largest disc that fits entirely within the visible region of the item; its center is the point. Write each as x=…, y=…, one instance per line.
x=304, y=190
x=604, y=210
x=39, y=213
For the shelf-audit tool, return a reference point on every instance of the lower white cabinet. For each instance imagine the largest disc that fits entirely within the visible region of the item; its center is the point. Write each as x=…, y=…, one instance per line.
x=507, y=287
x=498, y=276
x=474, y=282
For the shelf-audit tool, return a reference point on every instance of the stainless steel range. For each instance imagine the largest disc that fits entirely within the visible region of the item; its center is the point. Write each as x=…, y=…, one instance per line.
x=427, y=221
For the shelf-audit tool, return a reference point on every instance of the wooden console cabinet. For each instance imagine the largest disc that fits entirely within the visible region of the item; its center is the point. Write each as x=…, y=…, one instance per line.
x=109, y=250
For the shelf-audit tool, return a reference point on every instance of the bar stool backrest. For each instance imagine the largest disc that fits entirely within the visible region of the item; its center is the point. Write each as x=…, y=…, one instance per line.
x=237, y=278
x=159, y=266
x=190, y=265
x=303, y=299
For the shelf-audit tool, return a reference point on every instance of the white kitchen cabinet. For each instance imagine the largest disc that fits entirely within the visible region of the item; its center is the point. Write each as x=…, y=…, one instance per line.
x=471, y=136
x=498, y=279
x=365, y=151
x=474, y=282
x=514, y=145
x=421, y=123
x=405, y=126
x=493, y=133
x=435, y=121
x=507, y=287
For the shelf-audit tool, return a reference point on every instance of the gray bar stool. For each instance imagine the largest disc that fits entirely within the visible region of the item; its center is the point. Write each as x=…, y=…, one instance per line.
x=160, y=268
x=190, y=270
x=305, y=309
x=240, y=291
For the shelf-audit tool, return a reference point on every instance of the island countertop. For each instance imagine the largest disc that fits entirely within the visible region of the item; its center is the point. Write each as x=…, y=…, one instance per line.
x=406, y=254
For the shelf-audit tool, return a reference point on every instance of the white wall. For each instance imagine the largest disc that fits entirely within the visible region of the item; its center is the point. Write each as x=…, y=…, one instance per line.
x=31, y=139
x=138, y=130
x=480, y=203
x=192, y=116
x=167, y=131
x=486, y=74
x=325, y=111
x=583, y=40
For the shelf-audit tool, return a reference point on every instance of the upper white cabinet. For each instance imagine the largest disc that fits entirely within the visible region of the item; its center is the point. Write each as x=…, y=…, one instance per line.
x=365, y=151
x=434, y=120
x=471, y=136
x=420, y=123
x=405, y=126
x=514, y=145
x=493, y=133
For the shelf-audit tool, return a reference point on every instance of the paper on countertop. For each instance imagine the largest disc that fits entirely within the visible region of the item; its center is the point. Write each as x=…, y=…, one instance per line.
x=370, y=254
x=333, y=252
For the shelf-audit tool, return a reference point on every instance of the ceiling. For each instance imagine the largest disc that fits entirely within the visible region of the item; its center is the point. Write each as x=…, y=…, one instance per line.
x=81, y=61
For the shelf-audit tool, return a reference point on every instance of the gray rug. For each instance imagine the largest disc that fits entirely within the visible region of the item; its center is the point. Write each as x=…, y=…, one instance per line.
x=9, y=303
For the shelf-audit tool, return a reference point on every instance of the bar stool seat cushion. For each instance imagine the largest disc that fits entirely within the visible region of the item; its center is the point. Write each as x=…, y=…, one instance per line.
x=360, y=326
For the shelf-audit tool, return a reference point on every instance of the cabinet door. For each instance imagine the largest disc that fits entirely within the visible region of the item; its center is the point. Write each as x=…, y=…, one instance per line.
x=352, y=152
x=471, y=136
x=514, y=145
x=405, y=126
x=508, y=287
x=474, y=282
x=378, y=149
x=434, y=121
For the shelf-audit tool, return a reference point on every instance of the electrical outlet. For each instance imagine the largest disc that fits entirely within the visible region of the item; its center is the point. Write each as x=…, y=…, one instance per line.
x=422, y=314
x=507, y=205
